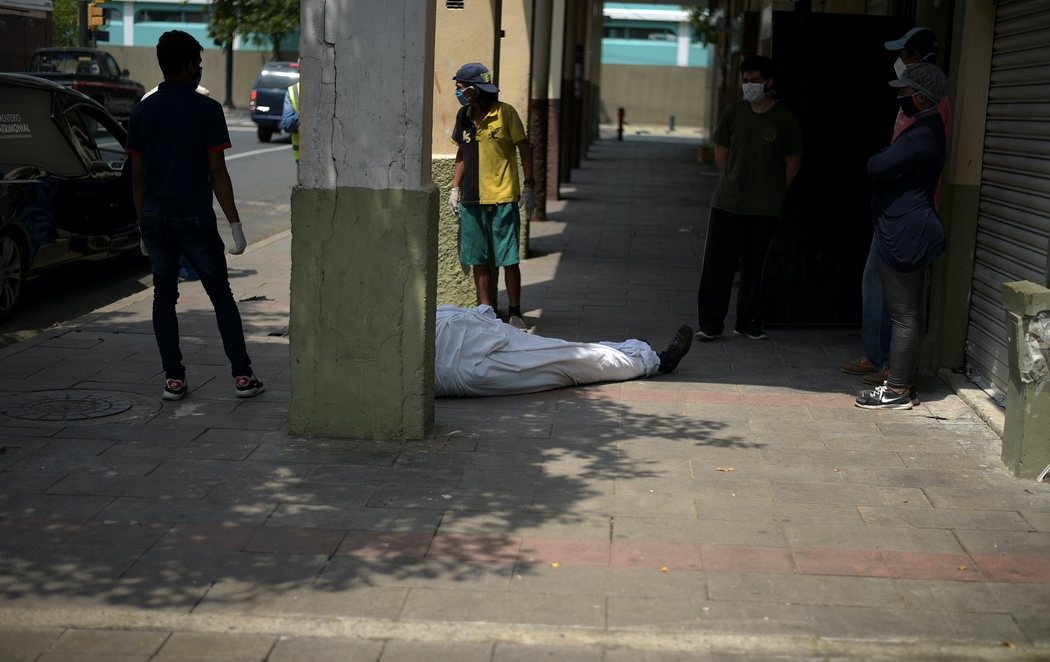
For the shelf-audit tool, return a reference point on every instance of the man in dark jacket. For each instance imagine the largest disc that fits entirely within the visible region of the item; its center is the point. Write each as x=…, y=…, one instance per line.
x=908, y=231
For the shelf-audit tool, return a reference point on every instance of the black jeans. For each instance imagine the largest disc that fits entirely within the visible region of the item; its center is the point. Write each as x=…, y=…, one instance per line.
x=904, y=292
x=196, y=238
x=733, y=239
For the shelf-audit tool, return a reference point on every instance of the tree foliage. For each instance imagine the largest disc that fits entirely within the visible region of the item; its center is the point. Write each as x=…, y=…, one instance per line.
x=261, y=22
x=65, y=23
x=703, y=22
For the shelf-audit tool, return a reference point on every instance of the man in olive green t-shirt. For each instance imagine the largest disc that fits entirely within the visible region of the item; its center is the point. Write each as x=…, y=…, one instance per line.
x=758, y=148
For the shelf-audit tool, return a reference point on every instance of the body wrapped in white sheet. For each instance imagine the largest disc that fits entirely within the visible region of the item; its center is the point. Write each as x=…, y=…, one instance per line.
x=477, y=354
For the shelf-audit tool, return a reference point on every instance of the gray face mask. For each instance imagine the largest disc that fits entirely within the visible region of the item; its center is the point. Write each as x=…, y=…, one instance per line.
x=754, y=92
x=899, y=67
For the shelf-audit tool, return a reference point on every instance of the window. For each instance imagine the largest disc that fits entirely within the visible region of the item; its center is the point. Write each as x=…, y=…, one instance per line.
x=170, y=16
x=639, y=34
x=454, y=4
x=114, y=69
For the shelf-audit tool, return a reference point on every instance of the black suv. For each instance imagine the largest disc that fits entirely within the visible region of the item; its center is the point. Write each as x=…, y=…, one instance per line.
x=267, y=96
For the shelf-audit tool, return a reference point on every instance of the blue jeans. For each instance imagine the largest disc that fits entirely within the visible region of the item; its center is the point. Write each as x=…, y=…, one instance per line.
x=874, y=318
x=197, y=239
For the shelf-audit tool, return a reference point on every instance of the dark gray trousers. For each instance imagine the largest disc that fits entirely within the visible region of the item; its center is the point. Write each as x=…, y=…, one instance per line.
x=904, y=292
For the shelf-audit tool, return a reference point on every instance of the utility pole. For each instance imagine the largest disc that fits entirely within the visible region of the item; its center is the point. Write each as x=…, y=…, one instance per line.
x=82, y=13
x=228, y=102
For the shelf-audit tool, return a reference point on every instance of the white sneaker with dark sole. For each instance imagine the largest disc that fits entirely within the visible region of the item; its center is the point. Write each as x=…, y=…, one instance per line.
x=706, y=337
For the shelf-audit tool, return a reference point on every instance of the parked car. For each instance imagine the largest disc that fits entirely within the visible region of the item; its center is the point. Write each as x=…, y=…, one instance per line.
x=266, y=100
x=65, y=184
x=91, y=71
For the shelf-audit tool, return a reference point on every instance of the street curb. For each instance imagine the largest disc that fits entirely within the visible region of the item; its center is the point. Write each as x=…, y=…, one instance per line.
x=451, y=633
x=981, y=403
x=28, y=338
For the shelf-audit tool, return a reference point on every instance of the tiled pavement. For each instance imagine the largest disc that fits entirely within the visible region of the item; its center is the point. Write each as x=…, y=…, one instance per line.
x=739, y=509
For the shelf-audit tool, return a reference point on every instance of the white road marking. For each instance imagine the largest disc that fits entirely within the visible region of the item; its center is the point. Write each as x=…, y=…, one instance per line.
x=258, y=151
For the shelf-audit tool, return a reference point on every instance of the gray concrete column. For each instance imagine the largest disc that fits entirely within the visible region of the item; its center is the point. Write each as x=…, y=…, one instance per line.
x=555, y=87
x=1026, y=435
x=539, y=103
x=364, y=223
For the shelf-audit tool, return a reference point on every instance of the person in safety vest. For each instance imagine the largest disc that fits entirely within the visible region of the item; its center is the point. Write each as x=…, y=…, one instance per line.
x=290, y=118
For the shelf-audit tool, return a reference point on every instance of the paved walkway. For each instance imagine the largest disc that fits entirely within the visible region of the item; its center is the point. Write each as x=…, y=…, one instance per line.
x=739, y=509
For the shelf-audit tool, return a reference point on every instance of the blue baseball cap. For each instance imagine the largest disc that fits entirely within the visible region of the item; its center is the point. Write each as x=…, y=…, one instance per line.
x=478, y=75
x=898, y=44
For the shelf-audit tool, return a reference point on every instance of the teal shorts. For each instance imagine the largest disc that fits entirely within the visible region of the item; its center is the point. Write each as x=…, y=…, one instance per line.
x=488, y=233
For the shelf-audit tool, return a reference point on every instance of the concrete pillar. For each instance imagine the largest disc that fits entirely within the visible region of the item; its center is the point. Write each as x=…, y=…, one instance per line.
x=364, y=223
x=1026, y=436
x=539, y=103
x=593, y=73
x=968, y=84
x=555, y=87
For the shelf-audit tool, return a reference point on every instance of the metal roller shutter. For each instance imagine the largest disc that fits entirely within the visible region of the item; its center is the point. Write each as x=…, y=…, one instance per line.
x=1013, y=227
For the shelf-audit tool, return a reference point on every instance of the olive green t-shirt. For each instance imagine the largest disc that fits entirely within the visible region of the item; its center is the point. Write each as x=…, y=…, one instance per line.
x=753, y=182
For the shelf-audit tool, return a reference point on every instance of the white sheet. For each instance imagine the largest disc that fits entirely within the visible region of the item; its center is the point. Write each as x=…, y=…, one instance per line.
x=477, y=354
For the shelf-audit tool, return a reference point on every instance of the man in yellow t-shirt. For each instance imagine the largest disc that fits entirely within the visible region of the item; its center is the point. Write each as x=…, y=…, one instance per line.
x=485, y=190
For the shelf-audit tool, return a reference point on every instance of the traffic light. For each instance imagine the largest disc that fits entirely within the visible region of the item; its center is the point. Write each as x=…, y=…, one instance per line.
x=94, y=14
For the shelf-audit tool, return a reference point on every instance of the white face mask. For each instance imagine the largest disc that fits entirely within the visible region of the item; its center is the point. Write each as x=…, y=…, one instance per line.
x=754, y=92
x=899, y=67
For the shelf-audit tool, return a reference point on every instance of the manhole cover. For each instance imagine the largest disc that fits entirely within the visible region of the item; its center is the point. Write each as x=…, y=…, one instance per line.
x=76, y=406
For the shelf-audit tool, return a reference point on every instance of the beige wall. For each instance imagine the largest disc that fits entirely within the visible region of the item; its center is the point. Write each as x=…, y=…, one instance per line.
x=141, y=63
x=460, y=36
x=468, y=35
x=651, y=94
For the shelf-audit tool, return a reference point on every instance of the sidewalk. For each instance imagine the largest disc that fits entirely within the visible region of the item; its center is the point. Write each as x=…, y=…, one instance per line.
x=739, y=509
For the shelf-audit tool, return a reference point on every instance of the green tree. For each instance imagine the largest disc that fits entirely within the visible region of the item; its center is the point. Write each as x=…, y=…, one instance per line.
x=65, y=23
x=261, y=22
x=703, y=22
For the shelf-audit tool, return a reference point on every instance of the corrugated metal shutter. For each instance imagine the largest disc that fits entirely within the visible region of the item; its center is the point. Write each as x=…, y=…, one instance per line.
x=1013, y=227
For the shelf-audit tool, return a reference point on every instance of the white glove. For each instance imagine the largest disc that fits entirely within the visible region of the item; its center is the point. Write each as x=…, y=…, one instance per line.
x=239, y=242
x=527, y=202
x=453, y=201
x=142, y=246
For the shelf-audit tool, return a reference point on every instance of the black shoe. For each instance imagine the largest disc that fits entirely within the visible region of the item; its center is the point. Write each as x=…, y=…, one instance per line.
x=676, y=349
x=883, y=397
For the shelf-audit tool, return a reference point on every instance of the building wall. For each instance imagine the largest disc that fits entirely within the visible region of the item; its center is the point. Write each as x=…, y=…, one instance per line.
x=651, y=94
x=22, y=32
x=141, y=63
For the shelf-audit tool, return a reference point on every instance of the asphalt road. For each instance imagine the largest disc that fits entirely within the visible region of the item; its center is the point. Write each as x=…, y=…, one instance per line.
x=263, y=175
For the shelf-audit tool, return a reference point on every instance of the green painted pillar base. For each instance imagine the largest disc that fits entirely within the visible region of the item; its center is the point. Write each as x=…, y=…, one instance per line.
x=363, y=299
x=1026, y=436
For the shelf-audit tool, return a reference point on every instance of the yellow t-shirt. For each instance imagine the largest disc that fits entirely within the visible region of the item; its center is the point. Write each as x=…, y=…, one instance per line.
x=490, y=160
